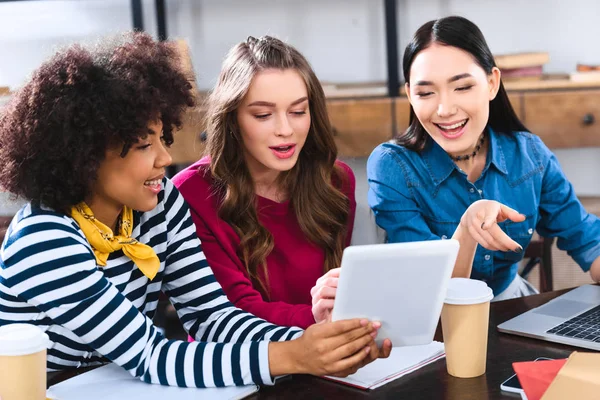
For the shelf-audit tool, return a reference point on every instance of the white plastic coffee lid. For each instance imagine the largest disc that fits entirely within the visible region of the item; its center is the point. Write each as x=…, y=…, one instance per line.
x=467, y=291
x=22, y=339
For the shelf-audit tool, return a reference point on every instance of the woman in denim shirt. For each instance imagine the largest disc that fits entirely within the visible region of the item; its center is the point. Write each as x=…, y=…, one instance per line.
x=466, y=163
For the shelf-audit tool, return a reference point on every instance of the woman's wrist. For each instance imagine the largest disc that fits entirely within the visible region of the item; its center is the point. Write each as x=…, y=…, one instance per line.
x=466, y=253
x=463, y=236
x=284, y=359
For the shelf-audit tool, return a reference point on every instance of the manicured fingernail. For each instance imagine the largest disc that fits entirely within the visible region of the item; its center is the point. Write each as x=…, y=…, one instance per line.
x=518, y=250
x=364, y=322
x=376, y=324
x=367, y=350
x=374, y=334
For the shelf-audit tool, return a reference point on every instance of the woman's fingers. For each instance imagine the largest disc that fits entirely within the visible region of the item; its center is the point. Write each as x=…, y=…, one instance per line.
x=509, y=213
x=503, y=241
x=489, y=220
x=322, y=309
x=332, y=273
x=475, y=234
x=353, y=361
x=324, y=292
x=386, y=349
x=483, y=227
x=346, y=326
x=492, y=244
x=326, y=280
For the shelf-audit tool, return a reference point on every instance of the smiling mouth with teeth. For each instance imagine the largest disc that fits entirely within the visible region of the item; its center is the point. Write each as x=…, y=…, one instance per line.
x=453, y=127
x=283, y=148
x=154, y=182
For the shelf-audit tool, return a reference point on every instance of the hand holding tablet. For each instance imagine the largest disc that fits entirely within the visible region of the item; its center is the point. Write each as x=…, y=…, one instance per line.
x=402, y=285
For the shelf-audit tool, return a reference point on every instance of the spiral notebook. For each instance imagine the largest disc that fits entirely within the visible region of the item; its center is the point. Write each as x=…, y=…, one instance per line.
x=402, y=361
x=115, y=383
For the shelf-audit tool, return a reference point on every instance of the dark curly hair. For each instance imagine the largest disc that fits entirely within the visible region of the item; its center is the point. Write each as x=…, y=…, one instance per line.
x=55, y=131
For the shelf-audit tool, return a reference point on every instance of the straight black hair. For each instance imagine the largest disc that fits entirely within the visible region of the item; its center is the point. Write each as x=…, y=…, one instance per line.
x=461, y=33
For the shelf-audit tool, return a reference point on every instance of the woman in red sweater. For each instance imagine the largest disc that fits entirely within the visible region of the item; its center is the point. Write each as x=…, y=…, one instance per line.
x=272, y=206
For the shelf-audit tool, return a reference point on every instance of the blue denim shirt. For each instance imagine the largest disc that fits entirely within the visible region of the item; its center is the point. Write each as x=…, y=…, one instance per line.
x=422, y=196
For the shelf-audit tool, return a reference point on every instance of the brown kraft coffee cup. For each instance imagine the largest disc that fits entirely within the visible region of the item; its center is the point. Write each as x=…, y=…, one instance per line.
x=22, y=362
x=465, y=319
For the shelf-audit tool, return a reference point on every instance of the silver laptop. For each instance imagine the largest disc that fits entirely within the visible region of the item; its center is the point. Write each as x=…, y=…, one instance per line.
x=573, y=319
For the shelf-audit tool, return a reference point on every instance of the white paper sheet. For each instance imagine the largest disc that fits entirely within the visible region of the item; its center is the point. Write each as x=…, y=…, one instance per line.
x=402, y=361
x=115, y=383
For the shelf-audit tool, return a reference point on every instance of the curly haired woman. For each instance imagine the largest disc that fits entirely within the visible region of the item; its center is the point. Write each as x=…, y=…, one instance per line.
x=104, y=232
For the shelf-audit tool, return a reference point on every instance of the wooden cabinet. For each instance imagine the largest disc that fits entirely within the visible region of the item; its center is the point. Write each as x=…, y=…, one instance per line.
x=359, y=125
x=516, y=100
x=362, y=124
x=188, y=146
x=402, y=109
x=564, y=118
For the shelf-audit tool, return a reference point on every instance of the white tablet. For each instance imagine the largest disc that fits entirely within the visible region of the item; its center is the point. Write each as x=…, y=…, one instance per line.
x=402, y=285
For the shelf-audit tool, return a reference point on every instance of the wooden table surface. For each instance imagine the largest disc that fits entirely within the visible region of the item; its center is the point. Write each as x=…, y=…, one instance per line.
x=432, y=381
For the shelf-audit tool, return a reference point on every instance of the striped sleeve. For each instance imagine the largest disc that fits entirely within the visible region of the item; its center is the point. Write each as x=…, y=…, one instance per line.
x=49, y=265
x=241, y=357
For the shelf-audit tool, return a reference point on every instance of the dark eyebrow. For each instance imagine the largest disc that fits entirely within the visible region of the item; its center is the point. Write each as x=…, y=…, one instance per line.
x=452, y=79
x=424, y=83
x=267, y=104
x=459, y=77
x=300, y=100
x=261, y=103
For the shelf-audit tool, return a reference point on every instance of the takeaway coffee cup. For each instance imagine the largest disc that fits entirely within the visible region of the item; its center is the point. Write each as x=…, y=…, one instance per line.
x=465, y=318
x=22, y=362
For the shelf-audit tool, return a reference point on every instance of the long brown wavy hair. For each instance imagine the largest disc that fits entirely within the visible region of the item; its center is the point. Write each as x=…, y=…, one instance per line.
x=320, y=207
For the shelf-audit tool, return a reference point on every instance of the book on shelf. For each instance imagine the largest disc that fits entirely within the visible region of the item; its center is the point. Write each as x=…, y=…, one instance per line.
x=402, y=361
x=524, y=73
x=587, y=67
x=521, y=60
x=348, y=90
x=589, y=76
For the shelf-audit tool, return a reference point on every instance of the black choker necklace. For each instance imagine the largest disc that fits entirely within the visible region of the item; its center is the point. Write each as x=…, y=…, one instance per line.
x=468, y=156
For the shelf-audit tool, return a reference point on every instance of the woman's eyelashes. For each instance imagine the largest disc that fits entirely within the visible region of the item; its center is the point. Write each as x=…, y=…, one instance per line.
x=146, y=144
x=267, y=115
x=458, y=89
x=464, y=88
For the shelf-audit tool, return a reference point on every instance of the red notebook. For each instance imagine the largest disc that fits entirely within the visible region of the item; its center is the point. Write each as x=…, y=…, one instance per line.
x=536, y=376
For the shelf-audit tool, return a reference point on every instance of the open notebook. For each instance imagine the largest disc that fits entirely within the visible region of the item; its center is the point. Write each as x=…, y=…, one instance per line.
x=114, y=383
x=402, y=361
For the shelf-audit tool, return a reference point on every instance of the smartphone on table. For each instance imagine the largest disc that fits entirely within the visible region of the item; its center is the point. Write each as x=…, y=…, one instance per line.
x=513, y=385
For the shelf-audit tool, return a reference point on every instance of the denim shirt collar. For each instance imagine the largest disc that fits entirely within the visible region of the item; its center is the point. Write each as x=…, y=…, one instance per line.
x=440, y=165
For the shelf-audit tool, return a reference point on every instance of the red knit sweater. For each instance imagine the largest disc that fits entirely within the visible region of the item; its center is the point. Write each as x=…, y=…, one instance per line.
x=294, y=265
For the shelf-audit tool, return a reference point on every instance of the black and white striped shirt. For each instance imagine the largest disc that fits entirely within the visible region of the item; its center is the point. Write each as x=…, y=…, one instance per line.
x=49, y=277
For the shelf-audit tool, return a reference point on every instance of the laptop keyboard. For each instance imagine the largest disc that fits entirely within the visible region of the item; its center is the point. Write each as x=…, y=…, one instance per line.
x=585, y=326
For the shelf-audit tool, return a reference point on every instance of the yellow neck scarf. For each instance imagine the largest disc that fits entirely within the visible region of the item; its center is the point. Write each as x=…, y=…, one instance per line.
x=104, y=242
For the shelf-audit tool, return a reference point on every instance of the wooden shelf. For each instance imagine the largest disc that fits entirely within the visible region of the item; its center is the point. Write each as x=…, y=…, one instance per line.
x=564, y=113
x=549, y=84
